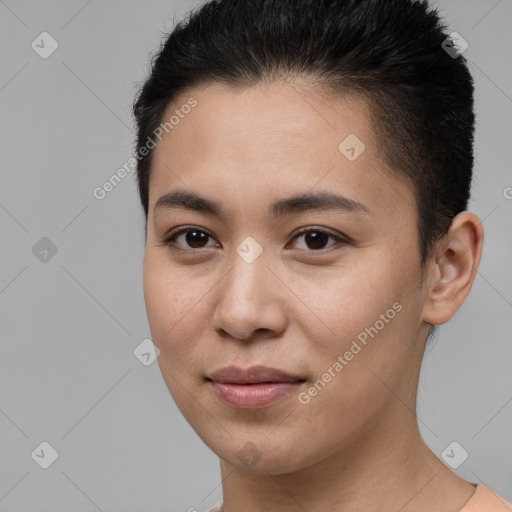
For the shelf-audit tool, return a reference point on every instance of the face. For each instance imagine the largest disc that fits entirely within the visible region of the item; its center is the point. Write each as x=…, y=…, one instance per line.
x=326, y=290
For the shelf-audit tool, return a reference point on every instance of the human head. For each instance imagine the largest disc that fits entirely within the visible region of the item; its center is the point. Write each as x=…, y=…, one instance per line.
x=376, y=79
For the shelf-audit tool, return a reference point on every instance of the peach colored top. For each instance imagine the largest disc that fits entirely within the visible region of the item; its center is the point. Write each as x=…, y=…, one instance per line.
x=486, y=500
x=483, y=500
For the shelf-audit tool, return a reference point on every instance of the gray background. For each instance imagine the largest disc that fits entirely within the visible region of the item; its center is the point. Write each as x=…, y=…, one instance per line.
x=69, y=324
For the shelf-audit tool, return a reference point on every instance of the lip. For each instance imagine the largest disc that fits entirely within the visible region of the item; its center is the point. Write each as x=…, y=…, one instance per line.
x=252, y=375
x=254, y=387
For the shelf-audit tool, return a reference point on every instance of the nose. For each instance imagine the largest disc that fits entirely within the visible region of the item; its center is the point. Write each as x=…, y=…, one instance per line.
x=250, y=301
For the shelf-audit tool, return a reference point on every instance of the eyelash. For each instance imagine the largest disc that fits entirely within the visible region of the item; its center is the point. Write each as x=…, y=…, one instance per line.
x=170, y=239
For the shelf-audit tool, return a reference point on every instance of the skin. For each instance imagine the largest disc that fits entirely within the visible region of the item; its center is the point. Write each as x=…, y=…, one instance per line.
x=298, y=306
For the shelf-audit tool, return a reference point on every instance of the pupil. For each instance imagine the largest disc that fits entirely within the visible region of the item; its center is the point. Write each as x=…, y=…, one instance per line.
x=316, y=238
x=194, y=237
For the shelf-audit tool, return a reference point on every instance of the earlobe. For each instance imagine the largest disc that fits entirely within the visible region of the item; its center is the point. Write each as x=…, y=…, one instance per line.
x=454, y=269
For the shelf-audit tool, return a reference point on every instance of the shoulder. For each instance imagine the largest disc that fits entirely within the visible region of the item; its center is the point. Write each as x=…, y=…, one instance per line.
x=217, y=508
x=486, y=500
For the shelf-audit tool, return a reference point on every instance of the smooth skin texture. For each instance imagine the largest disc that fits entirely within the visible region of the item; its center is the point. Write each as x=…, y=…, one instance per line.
x=301, y=303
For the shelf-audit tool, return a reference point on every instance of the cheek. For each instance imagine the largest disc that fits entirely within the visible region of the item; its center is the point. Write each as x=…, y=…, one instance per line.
x=343, y=303
x=172, y=307
x=373, y=319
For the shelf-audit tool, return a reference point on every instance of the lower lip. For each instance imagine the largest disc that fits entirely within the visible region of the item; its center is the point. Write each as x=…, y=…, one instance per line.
x=253, y=396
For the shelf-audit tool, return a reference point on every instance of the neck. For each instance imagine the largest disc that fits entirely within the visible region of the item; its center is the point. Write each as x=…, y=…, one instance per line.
x=388, y=467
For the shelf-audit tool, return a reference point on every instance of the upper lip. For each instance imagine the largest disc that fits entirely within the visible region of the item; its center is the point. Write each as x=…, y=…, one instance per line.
x=252, y=375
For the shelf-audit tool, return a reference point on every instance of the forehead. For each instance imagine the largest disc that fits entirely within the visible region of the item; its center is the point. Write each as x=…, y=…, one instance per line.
x=249, y=144
x=284, y=118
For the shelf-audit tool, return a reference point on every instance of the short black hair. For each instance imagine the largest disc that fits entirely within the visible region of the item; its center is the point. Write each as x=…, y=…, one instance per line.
x=389, y=52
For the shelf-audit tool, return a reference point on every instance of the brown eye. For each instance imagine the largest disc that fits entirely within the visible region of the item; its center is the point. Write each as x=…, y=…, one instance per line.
x=191, y=238
x=196, y=239
x=315, y=239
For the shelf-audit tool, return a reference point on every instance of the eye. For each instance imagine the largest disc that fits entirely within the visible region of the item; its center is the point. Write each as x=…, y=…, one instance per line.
x=315, y=238
x=194, y=237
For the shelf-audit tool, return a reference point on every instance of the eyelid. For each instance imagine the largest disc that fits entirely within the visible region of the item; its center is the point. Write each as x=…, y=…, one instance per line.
x=338, y=236
x=170, y=236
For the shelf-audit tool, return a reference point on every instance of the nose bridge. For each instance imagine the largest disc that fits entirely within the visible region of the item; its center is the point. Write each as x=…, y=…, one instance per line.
x=247, y=280
x=247, y=297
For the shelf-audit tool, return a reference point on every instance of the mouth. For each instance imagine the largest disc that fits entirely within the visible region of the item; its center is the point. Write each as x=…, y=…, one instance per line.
x=254, y=387
x=252, y=375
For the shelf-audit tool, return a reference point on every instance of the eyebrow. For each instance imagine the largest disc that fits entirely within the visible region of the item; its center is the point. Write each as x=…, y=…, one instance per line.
x=322, y=200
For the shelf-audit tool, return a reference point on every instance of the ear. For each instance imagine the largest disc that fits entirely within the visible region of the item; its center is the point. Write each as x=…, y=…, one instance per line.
x=453, y=270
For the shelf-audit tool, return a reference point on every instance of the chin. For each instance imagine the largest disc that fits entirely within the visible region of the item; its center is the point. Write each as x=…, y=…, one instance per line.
x=264, y=458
